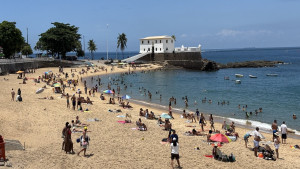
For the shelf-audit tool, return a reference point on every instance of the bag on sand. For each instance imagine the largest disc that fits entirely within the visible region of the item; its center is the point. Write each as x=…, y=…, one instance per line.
x=20, y=99
x=224, y=158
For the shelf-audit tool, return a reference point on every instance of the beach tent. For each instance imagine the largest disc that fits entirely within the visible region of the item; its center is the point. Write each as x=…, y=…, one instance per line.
x=126, y=97
x=165, y=115
x=57, y=88
x=108, y=91
x=220, y=138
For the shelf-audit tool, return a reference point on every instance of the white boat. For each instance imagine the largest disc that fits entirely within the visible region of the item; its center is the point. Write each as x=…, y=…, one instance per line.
x=239, y=75
x=238, y=81
x=271, y=74
x=251, y=76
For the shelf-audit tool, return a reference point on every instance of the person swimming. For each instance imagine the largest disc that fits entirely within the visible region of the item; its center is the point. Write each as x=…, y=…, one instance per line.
x=294, y=116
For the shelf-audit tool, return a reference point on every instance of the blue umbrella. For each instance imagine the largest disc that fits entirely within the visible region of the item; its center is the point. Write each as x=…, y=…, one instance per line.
x=108, y=91
x=165, y=115
x=126, y=97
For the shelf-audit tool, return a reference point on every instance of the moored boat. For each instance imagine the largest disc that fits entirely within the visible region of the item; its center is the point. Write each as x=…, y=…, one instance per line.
x=251, y=76
x=272, y=74
x=238, y=81
x=239, y=75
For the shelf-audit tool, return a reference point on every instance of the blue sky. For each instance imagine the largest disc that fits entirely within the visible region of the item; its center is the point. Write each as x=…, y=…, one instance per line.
x=213, y=24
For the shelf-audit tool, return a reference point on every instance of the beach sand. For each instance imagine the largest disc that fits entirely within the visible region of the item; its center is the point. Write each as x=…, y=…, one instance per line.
x=39, y=123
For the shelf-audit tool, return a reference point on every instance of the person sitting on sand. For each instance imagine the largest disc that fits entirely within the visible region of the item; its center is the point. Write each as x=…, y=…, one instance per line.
x=102, y=96
x=208, y=136
x=232, y=127
x=184, y=114
x=224, y=126
x=168, y=124
x=142, y=112
x=159, y=121
x=215, y=152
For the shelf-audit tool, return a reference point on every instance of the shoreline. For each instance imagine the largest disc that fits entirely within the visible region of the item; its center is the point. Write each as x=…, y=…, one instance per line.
x=264, y=127
x=39, y=122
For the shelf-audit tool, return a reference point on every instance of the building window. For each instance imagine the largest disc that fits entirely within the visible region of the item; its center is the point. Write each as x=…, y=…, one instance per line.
x=166, y=48
x=155, y=41
x=159, y=41
x=142, y=42
x=171, y=41
x=160, y=49
x=148, y=42
x=166, y=41
x=155, y=49
x=144, y=49
x=148, y=49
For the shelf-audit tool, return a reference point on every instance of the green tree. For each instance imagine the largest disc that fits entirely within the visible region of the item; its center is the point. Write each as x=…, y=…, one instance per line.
x=26, y=50
x=174, y=37
x=122, y=41
x=79, y=51
x=92, y=47
x=60, y=39
x=11, y=38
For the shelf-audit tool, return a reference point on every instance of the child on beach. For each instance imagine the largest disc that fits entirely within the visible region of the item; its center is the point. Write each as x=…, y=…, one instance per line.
x=84, y=142
x=246, y=137
x=276, y=143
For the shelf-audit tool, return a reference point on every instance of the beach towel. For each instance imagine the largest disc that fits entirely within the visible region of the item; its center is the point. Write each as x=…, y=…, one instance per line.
x=91, y=120
x=190, y=126
x=87, y=111
x=209, y=156
x=123, y=122
x=120, y=116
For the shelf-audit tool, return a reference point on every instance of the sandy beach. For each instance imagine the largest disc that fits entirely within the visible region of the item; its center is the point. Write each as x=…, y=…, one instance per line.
x=39, y=122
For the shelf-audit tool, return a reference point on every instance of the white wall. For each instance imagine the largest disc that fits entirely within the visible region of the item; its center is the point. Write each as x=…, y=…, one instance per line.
x=160, y=44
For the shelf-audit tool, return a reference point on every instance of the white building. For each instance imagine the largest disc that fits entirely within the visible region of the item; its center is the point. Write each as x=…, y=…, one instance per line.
x=158, y=44
x=188, y=49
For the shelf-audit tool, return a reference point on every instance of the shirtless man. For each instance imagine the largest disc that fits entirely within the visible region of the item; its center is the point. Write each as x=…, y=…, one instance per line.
x=274, y=128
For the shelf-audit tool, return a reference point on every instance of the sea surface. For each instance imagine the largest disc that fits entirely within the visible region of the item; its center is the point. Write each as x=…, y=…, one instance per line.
x=279, y=97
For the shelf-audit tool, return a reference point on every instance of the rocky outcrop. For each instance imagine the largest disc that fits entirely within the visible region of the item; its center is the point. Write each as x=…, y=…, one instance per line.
x=250, y=64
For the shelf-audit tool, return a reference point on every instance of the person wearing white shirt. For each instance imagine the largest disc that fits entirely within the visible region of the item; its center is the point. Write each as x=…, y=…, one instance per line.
x=256, y=140
x=175, y=152
x=283, y=132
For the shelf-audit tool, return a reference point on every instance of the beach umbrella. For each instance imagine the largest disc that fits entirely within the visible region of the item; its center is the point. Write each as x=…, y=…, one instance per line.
x=56, y=85
x=220, y=138
x=252, y=133
x=108, y=91
x=165, y=115
x=126, y=97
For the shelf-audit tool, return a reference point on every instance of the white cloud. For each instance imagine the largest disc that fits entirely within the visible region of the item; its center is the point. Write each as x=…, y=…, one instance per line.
x=234, y=33
x=183, y=35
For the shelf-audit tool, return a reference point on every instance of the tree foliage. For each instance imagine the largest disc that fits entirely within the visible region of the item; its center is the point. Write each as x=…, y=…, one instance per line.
x=11, y=39
x=92, y=47
x=122, y=42
x=60, y=39
x=79, y=51
x=26, y=50
x=174, y=37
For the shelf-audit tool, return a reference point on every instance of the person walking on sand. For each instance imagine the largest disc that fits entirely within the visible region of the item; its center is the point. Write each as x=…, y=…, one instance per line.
x=283, y=132
x=202, y=121
x=68, y=100
x=211, y=120
x=276, y=143
x=84, y=142
x=13, y=95
x=174, y=152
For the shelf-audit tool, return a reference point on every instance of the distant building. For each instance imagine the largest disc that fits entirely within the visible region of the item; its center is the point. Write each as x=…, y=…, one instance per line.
x=157, y=44
x=188, y=49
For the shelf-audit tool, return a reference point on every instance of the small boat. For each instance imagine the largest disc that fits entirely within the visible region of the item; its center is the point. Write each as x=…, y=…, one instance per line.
x=251, y=76
x=226, y=78
x=239, y=75
x=238, y=81
x=271, y=74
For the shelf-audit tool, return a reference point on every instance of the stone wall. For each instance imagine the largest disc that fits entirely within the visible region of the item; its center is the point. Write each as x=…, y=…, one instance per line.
x=161, y=57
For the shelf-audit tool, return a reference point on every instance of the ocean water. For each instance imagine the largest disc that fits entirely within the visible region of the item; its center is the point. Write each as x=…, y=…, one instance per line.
x=279, y=97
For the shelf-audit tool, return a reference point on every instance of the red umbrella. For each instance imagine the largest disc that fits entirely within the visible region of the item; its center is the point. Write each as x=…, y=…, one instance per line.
x=220, y=138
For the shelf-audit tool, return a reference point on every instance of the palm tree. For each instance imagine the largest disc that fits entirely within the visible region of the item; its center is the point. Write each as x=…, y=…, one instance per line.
x=92, y=47
x=174, y=37
x=122, y=40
